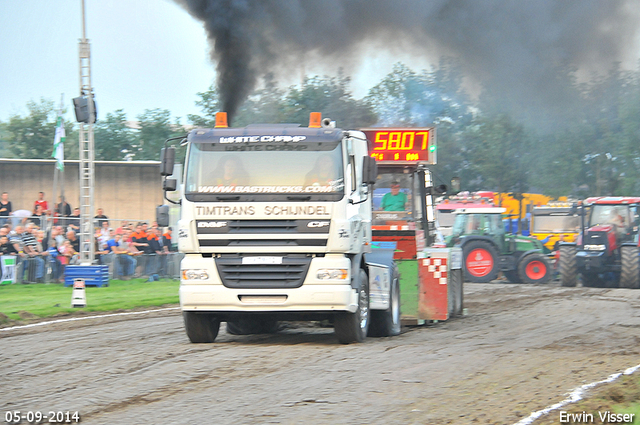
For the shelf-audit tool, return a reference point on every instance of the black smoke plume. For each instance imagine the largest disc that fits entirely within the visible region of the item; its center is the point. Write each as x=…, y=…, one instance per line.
x=513, y=46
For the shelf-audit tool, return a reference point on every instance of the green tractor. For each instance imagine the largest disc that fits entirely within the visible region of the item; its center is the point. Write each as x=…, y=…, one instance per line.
x=488, y=249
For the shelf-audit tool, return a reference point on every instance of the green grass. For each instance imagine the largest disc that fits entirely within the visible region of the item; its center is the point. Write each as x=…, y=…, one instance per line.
x=620, y=396
x=47, y=300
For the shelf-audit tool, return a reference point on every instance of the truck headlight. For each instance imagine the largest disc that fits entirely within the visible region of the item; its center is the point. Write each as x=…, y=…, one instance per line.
x=191, y=274
x=594, y=247
x=333, y=274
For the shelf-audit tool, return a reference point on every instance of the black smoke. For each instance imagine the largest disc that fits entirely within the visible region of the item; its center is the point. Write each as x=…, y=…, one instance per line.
x=515, y=47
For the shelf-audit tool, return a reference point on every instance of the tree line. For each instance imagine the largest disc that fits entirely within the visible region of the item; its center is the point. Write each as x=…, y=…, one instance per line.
x=582, y=141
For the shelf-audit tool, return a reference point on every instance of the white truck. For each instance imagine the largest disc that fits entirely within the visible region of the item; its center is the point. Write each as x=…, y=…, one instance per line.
x=275, y=224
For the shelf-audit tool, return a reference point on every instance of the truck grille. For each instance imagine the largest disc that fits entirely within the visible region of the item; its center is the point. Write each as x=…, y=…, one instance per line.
x=263, y=226
x=246, y=227
x=301, y=233
x=290, y=274
x=263, y=242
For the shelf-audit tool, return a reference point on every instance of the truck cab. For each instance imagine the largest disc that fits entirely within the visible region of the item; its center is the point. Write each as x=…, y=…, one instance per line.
x=275, y=224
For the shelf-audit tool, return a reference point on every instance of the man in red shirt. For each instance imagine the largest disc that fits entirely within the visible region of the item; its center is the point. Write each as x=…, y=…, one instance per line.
x=40, y=201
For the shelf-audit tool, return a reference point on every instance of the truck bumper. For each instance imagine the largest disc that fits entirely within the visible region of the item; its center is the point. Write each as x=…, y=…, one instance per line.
x=307, y=298
x=315, y=295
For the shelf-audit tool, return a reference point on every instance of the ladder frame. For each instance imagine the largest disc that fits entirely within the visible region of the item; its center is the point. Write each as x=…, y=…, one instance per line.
x=87, y=158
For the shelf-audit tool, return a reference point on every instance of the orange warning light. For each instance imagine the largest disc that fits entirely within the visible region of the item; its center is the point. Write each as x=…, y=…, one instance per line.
x=314, y=119
x=221, y=120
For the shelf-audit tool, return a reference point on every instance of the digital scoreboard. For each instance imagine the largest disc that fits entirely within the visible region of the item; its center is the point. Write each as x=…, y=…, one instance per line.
x=402, y=145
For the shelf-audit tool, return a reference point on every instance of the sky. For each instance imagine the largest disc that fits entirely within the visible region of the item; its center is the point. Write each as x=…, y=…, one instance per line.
x=145, y=54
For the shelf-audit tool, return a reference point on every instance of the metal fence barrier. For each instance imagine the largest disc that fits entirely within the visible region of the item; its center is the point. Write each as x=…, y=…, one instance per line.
x=149, y=266
x=46, y=269
x=46, y=222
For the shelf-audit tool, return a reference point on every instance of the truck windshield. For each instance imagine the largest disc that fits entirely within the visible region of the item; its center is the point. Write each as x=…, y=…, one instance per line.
x=312, y=171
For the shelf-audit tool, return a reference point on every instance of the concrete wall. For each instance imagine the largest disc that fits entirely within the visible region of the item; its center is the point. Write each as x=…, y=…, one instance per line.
x=125, y=190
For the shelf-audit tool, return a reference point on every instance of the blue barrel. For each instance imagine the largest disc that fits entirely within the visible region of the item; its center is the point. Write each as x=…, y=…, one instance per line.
x=97, y=275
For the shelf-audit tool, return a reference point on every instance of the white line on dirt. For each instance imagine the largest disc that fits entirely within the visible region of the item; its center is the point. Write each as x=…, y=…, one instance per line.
x=575, y=395
x=73, y=319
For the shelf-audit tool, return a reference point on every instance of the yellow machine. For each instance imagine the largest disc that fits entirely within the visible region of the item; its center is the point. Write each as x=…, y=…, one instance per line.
x=529, y=201
x=553, y=222
x=518, y=208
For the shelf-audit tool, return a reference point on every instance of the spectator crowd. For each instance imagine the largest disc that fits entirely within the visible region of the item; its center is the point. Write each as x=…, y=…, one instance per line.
x=44, y=242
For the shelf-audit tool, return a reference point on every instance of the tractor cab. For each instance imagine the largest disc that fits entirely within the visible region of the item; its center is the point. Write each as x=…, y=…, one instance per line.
x=618, y=219
x=478, y=221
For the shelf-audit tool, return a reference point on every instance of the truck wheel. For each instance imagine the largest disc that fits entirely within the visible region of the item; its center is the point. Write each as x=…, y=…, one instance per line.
x=480, y=262
x=387, y=322
x=534, y=268
x=568, y=267
x=455, y=292
x=353, y=327
x=630, y=274
x=252, y=325
x=201, y=327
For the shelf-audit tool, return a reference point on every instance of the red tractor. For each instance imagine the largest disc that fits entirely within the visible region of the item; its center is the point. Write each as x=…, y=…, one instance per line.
x=606, y=253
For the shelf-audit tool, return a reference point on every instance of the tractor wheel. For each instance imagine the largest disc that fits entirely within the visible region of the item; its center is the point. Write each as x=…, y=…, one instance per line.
x=201, y=327
x=512, y=276
x=480, y=262
x=568, y=266
x=534, y=268
x=630, y=274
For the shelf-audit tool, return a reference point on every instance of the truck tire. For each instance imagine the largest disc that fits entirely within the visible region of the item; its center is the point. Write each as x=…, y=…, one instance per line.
x=480, y=262
x=252, y=325
x=455, y=293
x=387, y=322
x=568, y=267
x=201, y=327
x=534, y=268
x=353, y=327
x=630, y=273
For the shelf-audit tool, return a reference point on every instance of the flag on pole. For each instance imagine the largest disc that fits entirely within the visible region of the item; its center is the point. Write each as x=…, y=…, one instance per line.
x=58, y=144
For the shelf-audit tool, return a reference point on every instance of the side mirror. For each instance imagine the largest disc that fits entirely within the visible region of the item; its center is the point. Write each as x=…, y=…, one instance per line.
x=162, y=215
x=169, y=185
x=167, y=159
x=369, y=170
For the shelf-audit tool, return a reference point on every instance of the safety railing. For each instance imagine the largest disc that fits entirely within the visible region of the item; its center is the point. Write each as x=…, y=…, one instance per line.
x=49, y=269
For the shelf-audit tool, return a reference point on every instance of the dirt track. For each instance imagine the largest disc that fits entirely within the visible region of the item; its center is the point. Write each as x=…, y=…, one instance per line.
x=520, y=348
